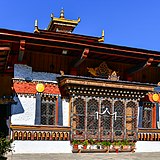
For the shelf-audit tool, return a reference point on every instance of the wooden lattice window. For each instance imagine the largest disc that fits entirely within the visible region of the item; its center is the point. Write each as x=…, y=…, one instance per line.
x=87, y=124
x=106, y=120
x=48, y=107
x=92, y=122
x=78, y=119
x=118, y=125
x=147, y=115
x=131, y=120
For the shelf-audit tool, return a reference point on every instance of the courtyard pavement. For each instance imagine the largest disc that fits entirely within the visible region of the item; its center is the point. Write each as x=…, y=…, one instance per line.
x=86, y=156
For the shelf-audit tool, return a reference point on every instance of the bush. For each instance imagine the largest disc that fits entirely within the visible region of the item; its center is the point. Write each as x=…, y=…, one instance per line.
x=85, y=143
x=5, y=146
x=75, y=142
x=105, y=143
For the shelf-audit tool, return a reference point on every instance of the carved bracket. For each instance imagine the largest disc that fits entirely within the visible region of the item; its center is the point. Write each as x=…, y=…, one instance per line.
x=82, y=58
x=140, y=67
x=21, y=50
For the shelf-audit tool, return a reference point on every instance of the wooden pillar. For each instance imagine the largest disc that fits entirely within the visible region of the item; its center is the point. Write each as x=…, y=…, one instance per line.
x=38, y=110
x=154, y=116
x=56, y=110
x=140, y=115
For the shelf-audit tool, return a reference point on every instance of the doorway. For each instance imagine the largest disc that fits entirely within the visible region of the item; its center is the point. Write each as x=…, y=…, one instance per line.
x=4, y=119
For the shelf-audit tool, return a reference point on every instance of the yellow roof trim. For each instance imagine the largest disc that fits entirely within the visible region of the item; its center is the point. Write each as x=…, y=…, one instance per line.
x=66, y=20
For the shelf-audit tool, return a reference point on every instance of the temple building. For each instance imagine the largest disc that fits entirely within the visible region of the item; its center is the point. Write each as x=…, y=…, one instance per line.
x=57, y=87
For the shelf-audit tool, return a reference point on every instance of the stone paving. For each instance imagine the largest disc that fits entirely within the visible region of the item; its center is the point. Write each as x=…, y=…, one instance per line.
x=87, y=156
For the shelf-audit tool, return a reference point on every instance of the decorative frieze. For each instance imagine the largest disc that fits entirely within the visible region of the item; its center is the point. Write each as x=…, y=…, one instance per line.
x=40, y=135
x=104, y=92
x=24, y=87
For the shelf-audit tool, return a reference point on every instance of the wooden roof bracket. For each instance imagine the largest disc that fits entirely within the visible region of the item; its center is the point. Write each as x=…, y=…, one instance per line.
x=21, y=50
x=82, y=58
x=4, y=54
x=140, y=66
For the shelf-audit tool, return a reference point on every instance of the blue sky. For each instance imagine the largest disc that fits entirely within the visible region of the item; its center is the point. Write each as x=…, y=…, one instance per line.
x=132, y=23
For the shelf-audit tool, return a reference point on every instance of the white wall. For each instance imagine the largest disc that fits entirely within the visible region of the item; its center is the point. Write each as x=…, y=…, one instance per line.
x=23, y=113
x=65, y=110
x=147, y=146
x=42, y=147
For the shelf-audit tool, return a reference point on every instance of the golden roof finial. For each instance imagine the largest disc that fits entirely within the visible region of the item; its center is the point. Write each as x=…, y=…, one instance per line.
x=102, y=37
x=36, y=26
x=103, y=33
x=62, y=13
x=62, y=24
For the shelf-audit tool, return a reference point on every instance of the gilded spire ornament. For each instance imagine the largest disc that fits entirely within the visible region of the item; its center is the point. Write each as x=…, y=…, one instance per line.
x=62, y=13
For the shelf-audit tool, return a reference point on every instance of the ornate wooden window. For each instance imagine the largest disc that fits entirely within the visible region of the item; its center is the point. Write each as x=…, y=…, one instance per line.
x=118, y=125
x=48, y=111
x=92, y=122
x=78, y=118
x=131, y=119
x=86, y=123
x=106, y=121
x=147, y=115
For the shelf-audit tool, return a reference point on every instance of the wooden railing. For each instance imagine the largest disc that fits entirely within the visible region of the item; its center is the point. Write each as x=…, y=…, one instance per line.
x=149, y=134
x=50, y=133
x=60, y=133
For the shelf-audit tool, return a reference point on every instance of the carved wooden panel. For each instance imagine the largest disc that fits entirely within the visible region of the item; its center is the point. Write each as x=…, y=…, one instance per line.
x=78, y=119
x=118, y=123
x=92, y=122
x=106, y=121
x=131, y=120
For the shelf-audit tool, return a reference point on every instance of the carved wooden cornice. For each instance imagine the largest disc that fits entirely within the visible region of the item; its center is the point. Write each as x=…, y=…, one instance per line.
x=110, y=84
x=102, y=87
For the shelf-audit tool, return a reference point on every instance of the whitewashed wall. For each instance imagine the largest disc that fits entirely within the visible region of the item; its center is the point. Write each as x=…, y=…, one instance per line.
x=147, y=146
x=42, y=147
x=65, y=111
x=23, y=113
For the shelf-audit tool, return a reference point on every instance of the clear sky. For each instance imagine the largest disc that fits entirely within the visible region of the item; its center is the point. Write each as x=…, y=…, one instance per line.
x=132, y=23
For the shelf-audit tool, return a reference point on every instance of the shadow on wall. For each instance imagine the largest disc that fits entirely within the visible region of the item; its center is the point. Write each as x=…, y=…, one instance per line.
x=17, y=108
